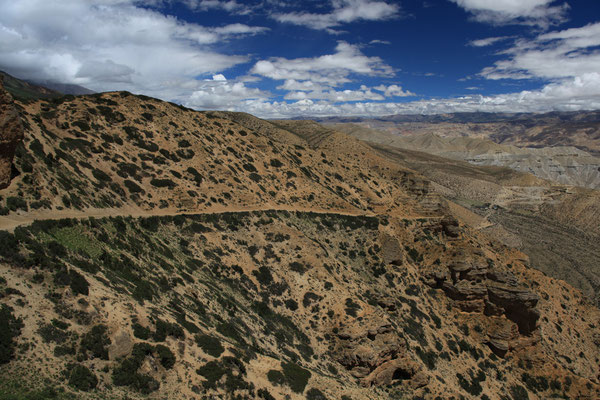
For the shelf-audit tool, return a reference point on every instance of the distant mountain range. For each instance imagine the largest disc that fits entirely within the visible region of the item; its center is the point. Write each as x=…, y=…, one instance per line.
x=477, y=117
x=30, y=90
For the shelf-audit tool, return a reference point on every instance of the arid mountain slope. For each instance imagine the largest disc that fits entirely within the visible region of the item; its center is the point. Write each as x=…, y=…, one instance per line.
x=577, y=129
x=556, y=226
x=561, y=164
x=285, y=261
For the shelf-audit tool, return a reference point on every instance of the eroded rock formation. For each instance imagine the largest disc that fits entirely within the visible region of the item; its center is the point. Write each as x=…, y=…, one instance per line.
x=11, y=134
x=478, y=286
x=374, y=353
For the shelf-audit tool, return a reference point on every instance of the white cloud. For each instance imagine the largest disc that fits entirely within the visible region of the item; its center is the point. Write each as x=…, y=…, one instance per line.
x=110, y=45
x=220, y=94
x=576, y=94
x=343, y=12
x=331, y=69
x=488, y=41
x=555, y=55
x=394, y=91
x=377, y=41
x=228, y=5
x=527, y=12
x=336, y=96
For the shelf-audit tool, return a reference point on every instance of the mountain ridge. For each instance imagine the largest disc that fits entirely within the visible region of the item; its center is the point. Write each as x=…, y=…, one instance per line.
x=381, y=294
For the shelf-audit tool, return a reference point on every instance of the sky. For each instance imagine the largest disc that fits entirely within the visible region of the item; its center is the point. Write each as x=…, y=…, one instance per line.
x=282, y=58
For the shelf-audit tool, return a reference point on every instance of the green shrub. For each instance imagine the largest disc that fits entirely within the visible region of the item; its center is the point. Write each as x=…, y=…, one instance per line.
x=52, y=334
x=16, y=203
x=10, y=328
x=126, y=375
x=298, y=267
x=263, y=275
x=78, y=284
x=132, y=186
x=295, y=376
x=101, y=175
x=8, y=244
x=212, y=371
x=96, y=342
x=166, y=356
x=255, y=177
x=315, y=394
x=276, y=163
x=264, y=394
x=141, y=332
x=161, y=183
x=275, y=377
x=164, y=329
x=81, y=378
x=210, y=345
x=519, y=392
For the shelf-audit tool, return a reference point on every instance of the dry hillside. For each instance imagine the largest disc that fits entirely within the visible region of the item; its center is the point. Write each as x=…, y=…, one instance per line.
x=236, y=258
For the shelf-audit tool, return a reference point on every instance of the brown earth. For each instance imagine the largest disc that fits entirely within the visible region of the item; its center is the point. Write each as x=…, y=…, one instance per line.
x=279, y=260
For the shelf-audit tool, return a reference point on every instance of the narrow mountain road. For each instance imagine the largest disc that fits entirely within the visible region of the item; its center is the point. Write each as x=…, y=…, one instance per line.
x=10, y=222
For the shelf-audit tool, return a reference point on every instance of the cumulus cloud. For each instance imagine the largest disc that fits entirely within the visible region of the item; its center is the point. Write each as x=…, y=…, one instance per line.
x=220, y=94
x=579, y=93
x=336, y=96
x=526, y=12
x=331, y=69
x=111, y=44
x=342, y=12
x=394, y=91
x=554, y=55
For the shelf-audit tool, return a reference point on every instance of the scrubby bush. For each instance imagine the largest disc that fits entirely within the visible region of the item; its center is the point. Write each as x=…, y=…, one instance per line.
x=10, y=328
x=295, y=376
x=78, y=284
x=276, y=163
x=275, y=377
x=141, y=332
x=16, y=203
x=161, y=183
x=164, y=329
x=81, y=378
x=212, y=371
x=166, y=356
x=315, y=394
x=210, y=345
x=96, y=342
x=126, y=375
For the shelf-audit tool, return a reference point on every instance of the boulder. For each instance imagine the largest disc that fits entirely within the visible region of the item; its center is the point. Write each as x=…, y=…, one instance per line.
x=121, y=345
x=11, y=134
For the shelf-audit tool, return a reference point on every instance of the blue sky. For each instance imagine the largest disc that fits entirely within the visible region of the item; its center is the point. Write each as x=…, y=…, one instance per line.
x=338, y=57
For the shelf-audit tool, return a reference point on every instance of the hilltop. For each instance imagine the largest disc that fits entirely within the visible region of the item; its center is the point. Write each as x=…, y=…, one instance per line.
x=155, y=251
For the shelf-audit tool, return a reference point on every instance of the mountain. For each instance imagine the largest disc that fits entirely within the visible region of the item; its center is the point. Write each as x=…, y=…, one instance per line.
x=562, y=164
x=64, y=88
x=152, y=251
x=575, y=129
x=24, y=91
x=29, y=90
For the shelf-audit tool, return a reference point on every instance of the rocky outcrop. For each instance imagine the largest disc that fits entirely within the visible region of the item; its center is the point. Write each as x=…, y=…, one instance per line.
x=11, y=134
x=478, y=286
x=374, y=353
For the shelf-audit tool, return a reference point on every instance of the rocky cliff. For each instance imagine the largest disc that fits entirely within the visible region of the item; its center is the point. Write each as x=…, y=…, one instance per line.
x=11, y=134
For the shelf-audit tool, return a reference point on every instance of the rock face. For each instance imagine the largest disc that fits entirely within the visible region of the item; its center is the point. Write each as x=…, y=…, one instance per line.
x=479, y=287
x=374, y=353
x=11, y=134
